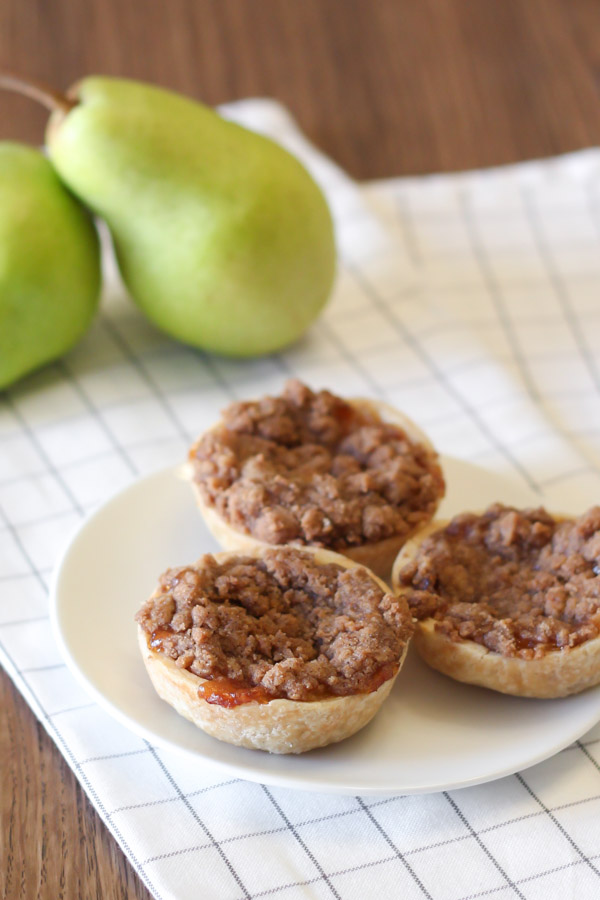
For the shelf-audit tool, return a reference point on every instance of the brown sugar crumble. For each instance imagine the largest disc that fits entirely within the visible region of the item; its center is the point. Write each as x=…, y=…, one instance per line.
x=309, y=468
x=283, y=626
x=518, y=582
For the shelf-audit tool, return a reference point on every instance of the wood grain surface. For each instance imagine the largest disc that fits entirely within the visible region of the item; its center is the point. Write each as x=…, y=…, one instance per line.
x=385, y=87
x=389, y=87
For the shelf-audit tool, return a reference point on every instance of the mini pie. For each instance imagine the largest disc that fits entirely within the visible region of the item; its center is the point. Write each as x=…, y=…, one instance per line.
x=310, y=469
x=279, y=649
x=507, y=599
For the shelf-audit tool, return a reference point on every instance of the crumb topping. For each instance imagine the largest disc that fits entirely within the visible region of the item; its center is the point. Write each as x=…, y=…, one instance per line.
x=516, y=581
x=284, y=623
x=309, y=468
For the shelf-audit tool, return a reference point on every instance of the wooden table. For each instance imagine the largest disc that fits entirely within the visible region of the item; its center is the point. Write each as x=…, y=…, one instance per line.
x=386, y=87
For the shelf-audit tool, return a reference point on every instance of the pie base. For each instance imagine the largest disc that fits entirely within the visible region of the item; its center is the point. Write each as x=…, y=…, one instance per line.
x=279, y=726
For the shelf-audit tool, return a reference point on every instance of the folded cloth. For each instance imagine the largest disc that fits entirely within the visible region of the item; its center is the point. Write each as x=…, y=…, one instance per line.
x=469, y=301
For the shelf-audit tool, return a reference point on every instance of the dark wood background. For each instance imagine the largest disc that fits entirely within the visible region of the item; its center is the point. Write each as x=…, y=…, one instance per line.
x=386, y=87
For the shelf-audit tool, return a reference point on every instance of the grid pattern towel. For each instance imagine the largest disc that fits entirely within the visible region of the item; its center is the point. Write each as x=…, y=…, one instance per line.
x=470, y=301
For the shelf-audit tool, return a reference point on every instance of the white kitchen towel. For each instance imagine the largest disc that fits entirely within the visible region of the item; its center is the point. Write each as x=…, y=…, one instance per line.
x=470, y=301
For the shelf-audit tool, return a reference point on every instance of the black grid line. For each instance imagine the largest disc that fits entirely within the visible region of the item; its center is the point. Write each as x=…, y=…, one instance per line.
x=435, y=215
x=570, y=392
x=107, y=756
x=409, y=235
x=330, y=313
x=484, y=893
x=529, y=878
x=44, y=473
x=65, y=418
x=143, y=371
x=553, y=819
x=284, y=365
x=51, y=468
x=497, y=825
x=197, y=848
x=290, y=827
x=498, y=357
x=70, y=709
x=350, y=358
x=543, y=318
x=42, y=520
x=407, y=384
x=265, y=832
x=559, y=286
x=583, y=744
x=490, y=404
x=495, y=294
x=585, y=431
x=31, y=669
x=587, y=754
x=400, y=856
x=558, y=356
x=21, y=575
x=63, y=369
x=87, y=785
x=187, y=794
x=407, y=336
x=283, y=830
x=452, y=326
x=23, y=549
x=98, y=417
x=84, y=461
x=510, y=883
x=291, y=884
x=151, y=442
x=525, y=439
x=520, y=282
x=347, y=813
x=565, y=476
x=250, y=834
x=200, y=822
x=593, y=194
x=442, y=418
x=313, y=821
x=469, y=364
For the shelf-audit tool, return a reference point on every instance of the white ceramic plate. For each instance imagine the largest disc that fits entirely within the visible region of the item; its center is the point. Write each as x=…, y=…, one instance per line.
x=432, y=733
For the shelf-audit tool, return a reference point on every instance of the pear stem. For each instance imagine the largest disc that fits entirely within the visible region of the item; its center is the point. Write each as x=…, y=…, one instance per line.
x=47, y=96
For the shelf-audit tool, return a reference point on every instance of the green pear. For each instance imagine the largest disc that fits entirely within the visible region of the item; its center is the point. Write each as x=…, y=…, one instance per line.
x=49, y=264
x=222, y=237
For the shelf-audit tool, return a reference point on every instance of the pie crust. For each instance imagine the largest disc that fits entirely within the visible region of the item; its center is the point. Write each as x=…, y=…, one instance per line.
x=279, y=725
